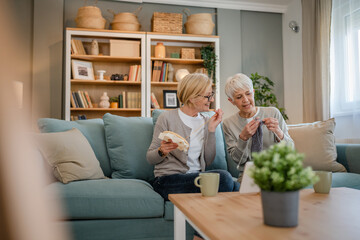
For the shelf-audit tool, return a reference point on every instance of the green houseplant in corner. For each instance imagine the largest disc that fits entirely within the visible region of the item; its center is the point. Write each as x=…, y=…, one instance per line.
x=209, y=57
x=279, y=173
x=264, y=95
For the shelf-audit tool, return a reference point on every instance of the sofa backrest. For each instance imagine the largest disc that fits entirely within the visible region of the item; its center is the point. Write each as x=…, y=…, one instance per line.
x=92, y=129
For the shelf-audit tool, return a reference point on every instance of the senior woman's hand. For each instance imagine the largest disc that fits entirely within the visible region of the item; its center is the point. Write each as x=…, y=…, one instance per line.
x=215, y=120
x=249, y=129
x=167, y=147
x=273, y=125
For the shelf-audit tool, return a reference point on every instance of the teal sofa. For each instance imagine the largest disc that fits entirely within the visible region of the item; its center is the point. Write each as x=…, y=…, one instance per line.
x=124, y=206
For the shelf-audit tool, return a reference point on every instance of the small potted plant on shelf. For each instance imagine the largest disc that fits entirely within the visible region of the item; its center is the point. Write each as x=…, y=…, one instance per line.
x=279, y=173
x=114, y=102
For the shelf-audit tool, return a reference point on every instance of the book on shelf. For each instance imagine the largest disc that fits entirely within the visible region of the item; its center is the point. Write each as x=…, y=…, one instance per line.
x=77, y=47
x=80, y=99
x=77, y=117
x=157, y=71
x=135, y=73
x=166, y=72
x=154, y=101
x=121, y=101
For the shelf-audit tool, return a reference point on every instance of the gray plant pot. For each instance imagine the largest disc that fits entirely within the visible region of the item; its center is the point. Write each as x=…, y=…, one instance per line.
x=280, y=209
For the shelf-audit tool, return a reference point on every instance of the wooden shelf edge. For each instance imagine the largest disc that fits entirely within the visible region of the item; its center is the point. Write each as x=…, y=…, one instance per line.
x=105, y=58
x=108, y=82
x=179, y=60
x=106, y=109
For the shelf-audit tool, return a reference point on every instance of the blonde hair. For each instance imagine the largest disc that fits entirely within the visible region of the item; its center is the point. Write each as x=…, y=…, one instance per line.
x=191, y=86
x=236, y=82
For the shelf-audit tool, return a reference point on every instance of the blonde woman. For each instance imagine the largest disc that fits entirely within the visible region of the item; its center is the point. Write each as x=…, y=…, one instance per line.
x=176, y=170
x=243, y=127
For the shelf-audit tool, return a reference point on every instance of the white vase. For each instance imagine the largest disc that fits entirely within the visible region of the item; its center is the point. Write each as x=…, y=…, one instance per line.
x=104, y=101
x=94, y=47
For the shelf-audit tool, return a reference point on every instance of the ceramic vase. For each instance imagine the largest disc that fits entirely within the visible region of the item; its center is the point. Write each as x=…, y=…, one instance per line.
x=94, y=47
x=160, y=50
x=280, y=209
x=104, y=101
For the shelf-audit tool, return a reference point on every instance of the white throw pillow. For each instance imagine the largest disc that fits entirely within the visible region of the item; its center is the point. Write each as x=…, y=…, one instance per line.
x=70, y=155
x=317, y=141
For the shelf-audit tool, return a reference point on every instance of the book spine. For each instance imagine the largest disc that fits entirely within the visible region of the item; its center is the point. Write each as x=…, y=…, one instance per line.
x=82, y=99
x=88, y=99
x=79, y=100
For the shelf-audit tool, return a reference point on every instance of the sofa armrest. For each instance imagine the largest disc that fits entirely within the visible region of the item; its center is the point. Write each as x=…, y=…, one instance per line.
x=349, y=156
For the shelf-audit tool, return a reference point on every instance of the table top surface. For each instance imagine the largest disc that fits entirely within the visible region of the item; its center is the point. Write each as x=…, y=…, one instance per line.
x=239, y=216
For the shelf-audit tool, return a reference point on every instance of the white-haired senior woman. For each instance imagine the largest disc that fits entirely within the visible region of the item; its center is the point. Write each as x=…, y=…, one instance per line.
x=240, y=128
x=176, y=170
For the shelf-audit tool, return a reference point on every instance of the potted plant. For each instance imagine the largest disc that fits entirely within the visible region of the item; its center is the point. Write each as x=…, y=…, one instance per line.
x=264, y=95
x=114, y=102
x=279, y=173
x=209, y=57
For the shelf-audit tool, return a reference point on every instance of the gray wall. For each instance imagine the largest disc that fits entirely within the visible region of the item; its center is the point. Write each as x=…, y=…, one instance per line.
x=144, y=16
x=249, y=42
x=262, y=47
x=229, y=30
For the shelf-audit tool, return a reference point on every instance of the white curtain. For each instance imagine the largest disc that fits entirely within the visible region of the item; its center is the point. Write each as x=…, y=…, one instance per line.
x=345, y=69
x=316, y=19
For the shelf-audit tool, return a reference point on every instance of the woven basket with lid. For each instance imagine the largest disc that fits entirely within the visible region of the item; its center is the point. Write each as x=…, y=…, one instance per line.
x=90, y=17
x=125, y=21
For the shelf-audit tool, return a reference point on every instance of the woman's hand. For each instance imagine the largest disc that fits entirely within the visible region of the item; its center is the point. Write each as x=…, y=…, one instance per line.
x=249, y=129
x=215, y=120
x=273, y=125
x=167, y=147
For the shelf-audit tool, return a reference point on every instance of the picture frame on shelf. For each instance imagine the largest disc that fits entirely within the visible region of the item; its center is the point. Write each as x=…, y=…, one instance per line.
x=170, y=99
x=82, y=70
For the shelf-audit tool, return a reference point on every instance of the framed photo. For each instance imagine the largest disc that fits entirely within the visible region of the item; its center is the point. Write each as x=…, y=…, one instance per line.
x=82, y=70
x=170, y=99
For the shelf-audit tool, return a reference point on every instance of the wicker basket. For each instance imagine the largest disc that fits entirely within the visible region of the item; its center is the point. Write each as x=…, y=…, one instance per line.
x=125, y=26
x=90, y=22
x=167, y=22
x=199, y=27
x=90, y=17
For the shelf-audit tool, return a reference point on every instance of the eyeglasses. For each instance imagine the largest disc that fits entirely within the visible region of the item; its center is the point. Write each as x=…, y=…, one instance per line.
x=211, y=96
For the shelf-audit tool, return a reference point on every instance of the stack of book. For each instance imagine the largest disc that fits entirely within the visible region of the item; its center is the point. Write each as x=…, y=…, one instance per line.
x=135, y=73
x=77, y=47
x=130, y=100
x=80, y=99
x=160, y=71
x=154, y=102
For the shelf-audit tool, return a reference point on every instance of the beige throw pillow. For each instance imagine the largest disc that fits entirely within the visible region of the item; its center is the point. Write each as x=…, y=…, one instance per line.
x=317, y=141
x=70, y=155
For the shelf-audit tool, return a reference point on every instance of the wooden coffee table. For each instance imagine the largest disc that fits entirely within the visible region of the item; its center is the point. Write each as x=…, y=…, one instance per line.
x=238, y=216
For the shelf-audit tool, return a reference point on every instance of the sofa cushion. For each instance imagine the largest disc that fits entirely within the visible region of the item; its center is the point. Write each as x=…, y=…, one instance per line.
x=70, y=155
x=350, y=180
x=108, y=199
x=317, y=141
x=92, y=129
x=220, y=159
x=128, y=139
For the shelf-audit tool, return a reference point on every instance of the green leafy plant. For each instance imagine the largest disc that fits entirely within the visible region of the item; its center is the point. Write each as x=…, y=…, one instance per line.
x=264, y=95
x=209, y=57
x=114, y=99
x=280, y=169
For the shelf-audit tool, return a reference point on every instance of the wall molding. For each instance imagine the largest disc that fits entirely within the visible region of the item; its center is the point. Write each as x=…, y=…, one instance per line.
x=224, y=4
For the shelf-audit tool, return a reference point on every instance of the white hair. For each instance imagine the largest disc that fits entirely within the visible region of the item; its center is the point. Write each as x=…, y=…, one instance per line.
x=236, y=82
